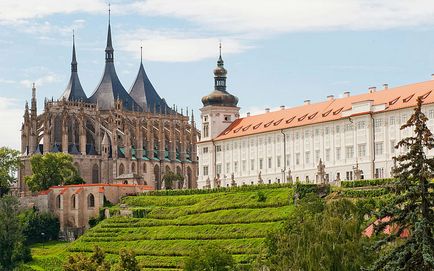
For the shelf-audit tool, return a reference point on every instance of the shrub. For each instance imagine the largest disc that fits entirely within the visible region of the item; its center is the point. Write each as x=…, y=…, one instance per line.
x=362, y=183
x=261, y=196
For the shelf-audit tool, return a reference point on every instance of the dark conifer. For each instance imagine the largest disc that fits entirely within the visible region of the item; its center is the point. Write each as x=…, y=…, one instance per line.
x=411, y=209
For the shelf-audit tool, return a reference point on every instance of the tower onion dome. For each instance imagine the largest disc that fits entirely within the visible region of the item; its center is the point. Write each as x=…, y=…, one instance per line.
x=144, y=93
x=74, y=90
x=110, y=87
x=220, y=97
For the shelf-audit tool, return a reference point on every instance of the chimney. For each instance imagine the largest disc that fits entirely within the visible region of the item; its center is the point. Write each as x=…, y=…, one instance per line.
x=386, y=86
x=306, y=102
x=267, y=110
x=372, y=89
x=282, y=107
x=346, y=94
x=330, y=97
x=248, y=114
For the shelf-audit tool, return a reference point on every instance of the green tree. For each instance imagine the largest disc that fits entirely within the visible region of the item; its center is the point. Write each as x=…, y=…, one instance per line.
x=80, y=262
x=319, y=236
x=51, y=169
x=412, y=206
x=209, y=259
x=39, y=226
x=12, y=248
x=9, y=164
x=128, y=261
x=169, y=178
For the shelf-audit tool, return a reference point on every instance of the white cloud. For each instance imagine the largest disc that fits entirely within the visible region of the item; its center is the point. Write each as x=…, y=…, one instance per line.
x=13, y=11
x=10, y=118
x=41, y=81
x=6, y=81
x=176, y=46
x=267, y=17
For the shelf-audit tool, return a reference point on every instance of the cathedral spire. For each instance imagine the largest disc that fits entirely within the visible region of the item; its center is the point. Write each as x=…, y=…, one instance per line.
x=109, y=47
x=74, y=57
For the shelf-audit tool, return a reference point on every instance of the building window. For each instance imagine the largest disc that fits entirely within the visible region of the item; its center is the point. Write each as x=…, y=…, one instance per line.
x=205, y=150
x=338, y=153
x=378, y=123
x=307, y=157
x=379, y=148
x=269, y=162
x=144, y=167
x=349, y=175
x=431, y=114
x=361, y=150
x=361, y=125
x=288, y=160
x=205, y=130
x=205, y=118
x=327, y=130
x=392, y=120
x=252, y=164
x=317, y=156
x=349, y=152
x=91, y=201
x=218, y=148
x=227, y=117
x=338, y=128
x=219, y=169
x=235, y=167
x=404, y=118
x=244, y=165
x=348, y=127
x=379, y=172
x=392, y=146
x=228, y=168
x=297, y=135
x=261, y=161
x=278, y=161
x=205, y=170
x=297, y=159
x=327, y=155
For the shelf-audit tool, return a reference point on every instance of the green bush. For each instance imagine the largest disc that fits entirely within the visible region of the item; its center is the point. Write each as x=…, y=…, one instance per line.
x=365, y=193
x=362, y=183
x=261, y=196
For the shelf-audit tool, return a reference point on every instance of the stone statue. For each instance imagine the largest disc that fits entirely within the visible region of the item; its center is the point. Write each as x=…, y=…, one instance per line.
x=208, y=183
x=217, y=181
x=289, y=178
x=233, y=183
x=357, y=172
x=260, y=180
x=321, y=172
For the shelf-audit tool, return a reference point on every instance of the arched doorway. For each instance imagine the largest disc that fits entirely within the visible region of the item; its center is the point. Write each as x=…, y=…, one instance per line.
x=157, y=177
x=95, y=174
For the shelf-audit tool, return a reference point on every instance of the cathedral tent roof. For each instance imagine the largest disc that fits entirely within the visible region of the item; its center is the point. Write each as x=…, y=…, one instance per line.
x=74, y=91
x=144, y=93
x=110, y=87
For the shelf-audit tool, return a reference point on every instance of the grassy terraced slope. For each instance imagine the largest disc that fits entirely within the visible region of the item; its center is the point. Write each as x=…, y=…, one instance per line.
x=174, y=225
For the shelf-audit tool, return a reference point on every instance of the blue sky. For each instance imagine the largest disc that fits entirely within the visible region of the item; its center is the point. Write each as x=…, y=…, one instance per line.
x=277, y=52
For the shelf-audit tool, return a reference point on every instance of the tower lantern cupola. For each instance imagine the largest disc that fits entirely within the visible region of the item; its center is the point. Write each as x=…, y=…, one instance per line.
x=220, y=97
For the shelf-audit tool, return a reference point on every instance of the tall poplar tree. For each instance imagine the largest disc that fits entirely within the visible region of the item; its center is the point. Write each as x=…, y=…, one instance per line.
x=411, y=209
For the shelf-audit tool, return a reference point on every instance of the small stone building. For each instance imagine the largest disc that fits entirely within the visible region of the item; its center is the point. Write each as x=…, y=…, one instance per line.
x=76, y=204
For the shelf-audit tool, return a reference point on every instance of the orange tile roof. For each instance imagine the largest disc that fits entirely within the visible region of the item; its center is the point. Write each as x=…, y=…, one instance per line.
x=101, y=189
x=330, y=110
x=369, y=231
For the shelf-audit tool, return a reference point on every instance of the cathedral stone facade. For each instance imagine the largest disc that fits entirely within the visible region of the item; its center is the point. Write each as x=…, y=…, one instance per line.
x=113, y=136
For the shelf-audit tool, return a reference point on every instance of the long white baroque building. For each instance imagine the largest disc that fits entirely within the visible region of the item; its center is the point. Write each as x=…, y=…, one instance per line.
x=347, y=134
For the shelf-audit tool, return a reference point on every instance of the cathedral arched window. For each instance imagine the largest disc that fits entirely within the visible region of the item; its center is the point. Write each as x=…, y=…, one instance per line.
x=58, y=202
x=133, y=167
x=91, y=201
x=144, y=167
x=95, y=174
x=121, y=169
x=74, y=202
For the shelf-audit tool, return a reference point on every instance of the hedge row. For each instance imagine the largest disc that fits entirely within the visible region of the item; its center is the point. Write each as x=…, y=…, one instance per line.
x=216, y=190
x=362, y=183
x=365, y=193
